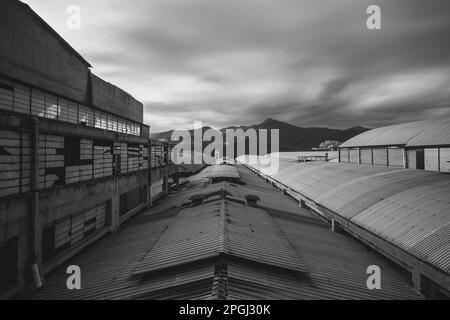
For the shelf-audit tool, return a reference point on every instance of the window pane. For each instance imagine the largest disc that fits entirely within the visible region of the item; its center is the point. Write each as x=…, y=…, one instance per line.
x=37, y=103
x=128, y=127
x=73, y=112
x=21, y=99
x=98, y=121
x=51, y=106
x=112, y=122
x=63, y=110
x=122, y=126
x=6, y=96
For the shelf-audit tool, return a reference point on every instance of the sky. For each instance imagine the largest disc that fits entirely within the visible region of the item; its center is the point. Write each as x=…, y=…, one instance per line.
x=238, y=62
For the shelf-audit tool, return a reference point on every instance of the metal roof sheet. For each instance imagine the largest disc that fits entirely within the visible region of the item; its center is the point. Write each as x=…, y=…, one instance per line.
x=220, y=227
x=260, y=241
x=402, y=134
x=439, y=134
x=403, y=206
x=223, y=171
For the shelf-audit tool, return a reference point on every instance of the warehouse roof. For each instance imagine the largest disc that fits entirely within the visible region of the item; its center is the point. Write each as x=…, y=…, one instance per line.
x=224, y=248
x=408, y=208
x=411, y=134
x=223, y=171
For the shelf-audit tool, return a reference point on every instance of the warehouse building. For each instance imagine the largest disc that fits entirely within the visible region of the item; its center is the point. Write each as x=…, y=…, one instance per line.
x=401, y=214
x=416, y=145
x=74, y=152
x=239, y=239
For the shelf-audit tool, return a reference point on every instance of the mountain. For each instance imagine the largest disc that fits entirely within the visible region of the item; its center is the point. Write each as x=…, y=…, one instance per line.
x=292, y=138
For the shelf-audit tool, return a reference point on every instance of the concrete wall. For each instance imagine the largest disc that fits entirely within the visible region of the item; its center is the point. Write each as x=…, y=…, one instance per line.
x=56, y=204
x=14, y=222
x=158, y=179
x=17, y=219
x=108, y=97
x=31, y=52
x=435, y=158
x=33, y=55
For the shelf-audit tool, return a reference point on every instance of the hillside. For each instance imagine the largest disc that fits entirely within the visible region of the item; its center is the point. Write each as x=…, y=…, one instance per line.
x=292, y=138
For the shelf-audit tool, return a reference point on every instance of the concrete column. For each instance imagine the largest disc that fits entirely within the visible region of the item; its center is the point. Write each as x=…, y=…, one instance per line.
x=405, y=158
x=35, y=253
x=115, y=204
x=149, y=166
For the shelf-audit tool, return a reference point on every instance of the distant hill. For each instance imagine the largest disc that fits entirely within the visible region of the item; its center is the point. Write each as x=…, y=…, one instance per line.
x=292, y=138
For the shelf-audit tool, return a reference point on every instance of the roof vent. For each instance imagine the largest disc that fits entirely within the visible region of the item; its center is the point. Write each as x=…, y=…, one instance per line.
x=252, y=200
x=197, y=199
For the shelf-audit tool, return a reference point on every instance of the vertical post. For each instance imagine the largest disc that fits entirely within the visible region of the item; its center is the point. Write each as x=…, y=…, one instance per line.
x=405, y=158
x=387, y=157
x=35, y=223
x=439, y=159
x=149, y=159
x=332, y=225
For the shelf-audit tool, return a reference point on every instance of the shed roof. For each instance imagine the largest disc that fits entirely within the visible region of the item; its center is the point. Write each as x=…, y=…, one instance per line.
x=408, y=208
x=275, y=251
x=411, y=134
x=223, y=171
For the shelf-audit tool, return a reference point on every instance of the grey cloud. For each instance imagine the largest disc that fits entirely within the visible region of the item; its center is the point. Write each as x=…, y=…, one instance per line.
x=309, y=62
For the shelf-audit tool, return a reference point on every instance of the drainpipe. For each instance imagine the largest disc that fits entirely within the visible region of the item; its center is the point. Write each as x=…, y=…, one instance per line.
x=35, y=223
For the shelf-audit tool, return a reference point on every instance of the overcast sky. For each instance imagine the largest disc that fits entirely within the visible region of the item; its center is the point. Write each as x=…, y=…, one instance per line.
x=233, y=62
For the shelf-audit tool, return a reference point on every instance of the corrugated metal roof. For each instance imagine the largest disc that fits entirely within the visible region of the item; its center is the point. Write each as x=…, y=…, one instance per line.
x=405, y=207
x=438, y=134
x=275, y=251
x=223, y=171
x=216, y=228
x=418, y=133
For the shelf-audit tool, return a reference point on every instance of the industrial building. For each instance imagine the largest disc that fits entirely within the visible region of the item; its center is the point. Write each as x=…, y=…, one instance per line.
x=401, y=214
x=74, y=152
x=234, y=238
x=81, y=183
x=415, y=145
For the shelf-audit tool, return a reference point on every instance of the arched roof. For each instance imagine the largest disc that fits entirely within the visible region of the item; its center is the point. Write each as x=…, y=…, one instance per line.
x=408, y=208
x=411, y=134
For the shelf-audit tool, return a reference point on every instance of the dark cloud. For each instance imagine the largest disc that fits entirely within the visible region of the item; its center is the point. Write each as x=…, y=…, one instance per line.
x=309, y=62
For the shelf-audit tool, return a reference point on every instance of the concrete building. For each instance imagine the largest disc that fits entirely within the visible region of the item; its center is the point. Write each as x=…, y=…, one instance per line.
x=74, y=152
x=415, y=145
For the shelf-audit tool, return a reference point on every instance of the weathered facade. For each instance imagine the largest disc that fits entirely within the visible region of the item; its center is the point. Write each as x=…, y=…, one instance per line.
x=74, y=153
